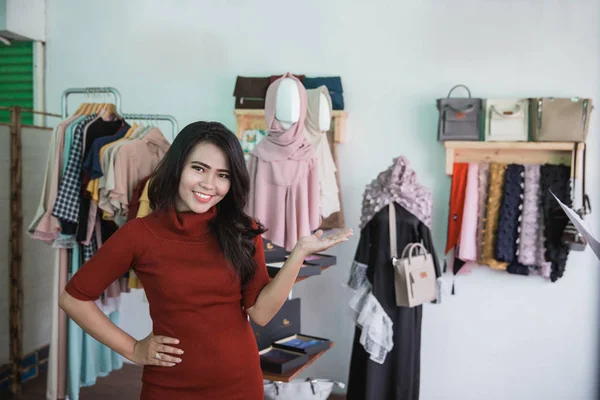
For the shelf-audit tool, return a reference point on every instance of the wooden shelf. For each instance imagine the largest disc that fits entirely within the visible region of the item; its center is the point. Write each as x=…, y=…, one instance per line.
x=255, y=119
x=292, y=374
x=513, y=152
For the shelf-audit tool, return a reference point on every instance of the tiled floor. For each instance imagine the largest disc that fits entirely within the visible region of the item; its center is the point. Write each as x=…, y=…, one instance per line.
x=124, y=384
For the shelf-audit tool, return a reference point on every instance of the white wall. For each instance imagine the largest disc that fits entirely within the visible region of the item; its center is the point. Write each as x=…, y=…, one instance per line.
x=24, y=18
x=501, y=336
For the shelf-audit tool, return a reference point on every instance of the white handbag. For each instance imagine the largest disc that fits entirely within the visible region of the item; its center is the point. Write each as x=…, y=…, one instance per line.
x=507, y=120
x=308, y=389
x=414, y=274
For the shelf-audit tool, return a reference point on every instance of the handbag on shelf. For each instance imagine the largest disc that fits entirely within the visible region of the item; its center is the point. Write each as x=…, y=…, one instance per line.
x=250, y=92
x=571, y=236
x=308, y=389
x=560, y=119
x=507, y=120
x=460, y=118
x=414, y=273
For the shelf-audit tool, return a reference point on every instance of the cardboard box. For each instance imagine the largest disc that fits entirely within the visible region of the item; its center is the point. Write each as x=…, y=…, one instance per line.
x=274, y=253
x=285, y=323
x=304, y=344
x=279, y=361
x=320, y=259
x=307, y=269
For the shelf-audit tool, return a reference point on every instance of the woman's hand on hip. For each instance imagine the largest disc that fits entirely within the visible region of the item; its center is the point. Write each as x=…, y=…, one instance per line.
x=157, y=350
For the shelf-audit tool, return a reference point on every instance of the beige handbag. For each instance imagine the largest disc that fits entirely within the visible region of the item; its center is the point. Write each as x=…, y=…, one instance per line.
x=414, y=273
x=560, y=120
x=507, y=120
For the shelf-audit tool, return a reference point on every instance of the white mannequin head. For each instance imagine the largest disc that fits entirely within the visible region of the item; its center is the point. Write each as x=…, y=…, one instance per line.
x=324, y=113
x=287, y=107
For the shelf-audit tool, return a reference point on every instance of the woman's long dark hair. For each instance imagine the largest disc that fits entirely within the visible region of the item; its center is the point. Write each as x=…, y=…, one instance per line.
x=233, y=228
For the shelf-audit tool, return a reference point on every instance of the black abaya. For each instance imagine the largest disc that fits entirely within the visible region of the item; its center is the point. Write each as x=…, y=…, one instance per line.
x=398, y=377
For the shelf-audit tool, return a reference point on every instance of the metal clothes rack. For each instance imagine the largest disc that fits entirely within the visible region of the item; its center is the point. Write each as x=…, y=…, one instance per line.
x=117, y=98
x=155, y=117
x=61, y=389
x=89, y=91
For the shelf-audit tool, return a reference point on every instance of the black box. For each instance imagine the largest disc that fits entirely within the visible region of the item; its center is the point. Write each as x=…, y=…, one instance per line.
x=274, y=253
x=307, y=269
x=279, y=361
x=303, y=344
x=285, y=323
x=320, y=259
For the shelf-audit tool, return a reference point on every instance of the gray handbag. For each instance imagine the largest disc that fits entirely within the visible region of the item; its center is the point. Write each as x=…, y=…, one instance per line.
x=460, y=118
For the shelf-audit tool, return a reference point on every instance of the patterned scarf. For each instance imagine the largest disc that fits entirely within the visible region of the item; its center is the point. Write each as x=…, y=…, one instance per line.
x=398, y=183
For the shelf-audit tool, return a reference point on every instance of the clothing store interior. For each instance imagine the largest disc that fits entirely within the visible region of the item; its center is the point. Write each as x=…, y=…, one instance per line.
x=457, y=140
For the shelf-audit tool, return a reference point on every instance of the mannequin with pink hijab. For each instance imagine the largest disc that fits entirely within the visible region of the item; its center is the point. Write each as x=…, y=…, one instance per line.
x=284, y=183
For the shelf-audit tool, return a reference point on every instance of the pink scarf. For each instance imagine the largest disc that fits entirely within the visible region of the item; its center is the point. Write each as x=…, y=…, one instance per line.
x=281, y=144
x=468, y=231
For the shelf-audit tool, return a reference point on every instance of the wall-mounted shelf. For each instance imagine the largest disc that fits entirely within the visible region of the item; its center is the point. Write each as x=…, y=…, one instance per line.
x=514, y=152
x=292, y=374
x=255, y=119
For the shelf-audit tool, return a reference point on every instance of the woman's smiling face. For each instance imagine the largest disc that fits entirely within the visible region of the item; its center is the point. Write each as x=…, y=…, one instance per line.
x=205, y=179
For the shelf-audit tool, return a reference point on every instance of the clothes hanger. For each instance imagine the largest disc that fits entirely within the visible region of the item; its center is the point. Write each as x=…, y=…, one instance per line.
x=80, y=109
x=140, y=132
x=108, y=111
x=86, y=105
x=88, y=108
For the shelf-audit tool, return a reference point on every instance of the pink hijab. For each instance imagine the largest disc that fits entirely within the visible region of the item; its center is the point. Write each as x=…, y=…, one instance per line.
x=281, y=144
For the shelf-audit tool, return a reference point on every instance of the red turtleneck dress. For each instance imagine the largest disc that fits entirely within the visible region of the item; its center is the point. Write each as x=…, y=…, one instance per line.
x=193, y=296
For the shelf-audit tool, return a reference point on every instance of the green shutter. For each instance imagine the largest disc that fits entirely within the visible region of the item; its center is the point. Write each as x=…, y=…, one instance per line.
x=16, y=79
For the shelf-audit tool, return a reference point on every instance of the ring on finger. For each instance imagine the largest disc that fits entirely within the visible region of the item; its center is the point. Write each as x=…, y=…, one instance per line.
x=158, y=356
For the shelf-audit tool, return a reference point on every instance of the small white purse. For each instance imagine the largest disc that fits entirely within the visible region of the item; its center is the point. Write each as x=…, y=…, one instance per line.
x=506, y=120
x=309, y=389
x=414, y=273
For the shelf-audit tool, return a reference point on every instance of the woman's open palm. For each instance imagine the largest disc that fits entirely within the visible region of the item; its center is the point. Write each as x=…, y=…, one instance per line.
x=317, y=242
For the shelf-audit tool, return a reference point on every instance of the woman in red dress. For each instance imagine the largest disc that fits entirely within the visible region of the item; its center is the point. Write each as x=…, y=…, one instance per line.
x=200, y=259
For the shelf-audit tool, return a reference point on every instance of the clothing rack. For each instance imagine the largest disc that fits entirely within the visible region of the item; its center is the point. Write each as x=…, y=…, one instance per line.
x=56, y=387
x=156, y=117
x=89, y=91
x=117, y=97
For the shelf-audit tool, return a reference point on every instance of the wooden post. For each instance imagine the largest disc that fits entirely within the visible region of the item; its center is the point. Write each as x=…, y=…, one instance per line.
x=16, y=249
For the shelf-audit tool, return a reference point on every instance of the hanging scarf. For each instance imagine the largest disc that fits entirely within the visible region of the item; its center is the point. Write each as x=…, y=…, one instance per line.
x=468, y=230
x=281, y=144
x=313, y=132
x=398, y=183
x=329, y=201
x=457, y=203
